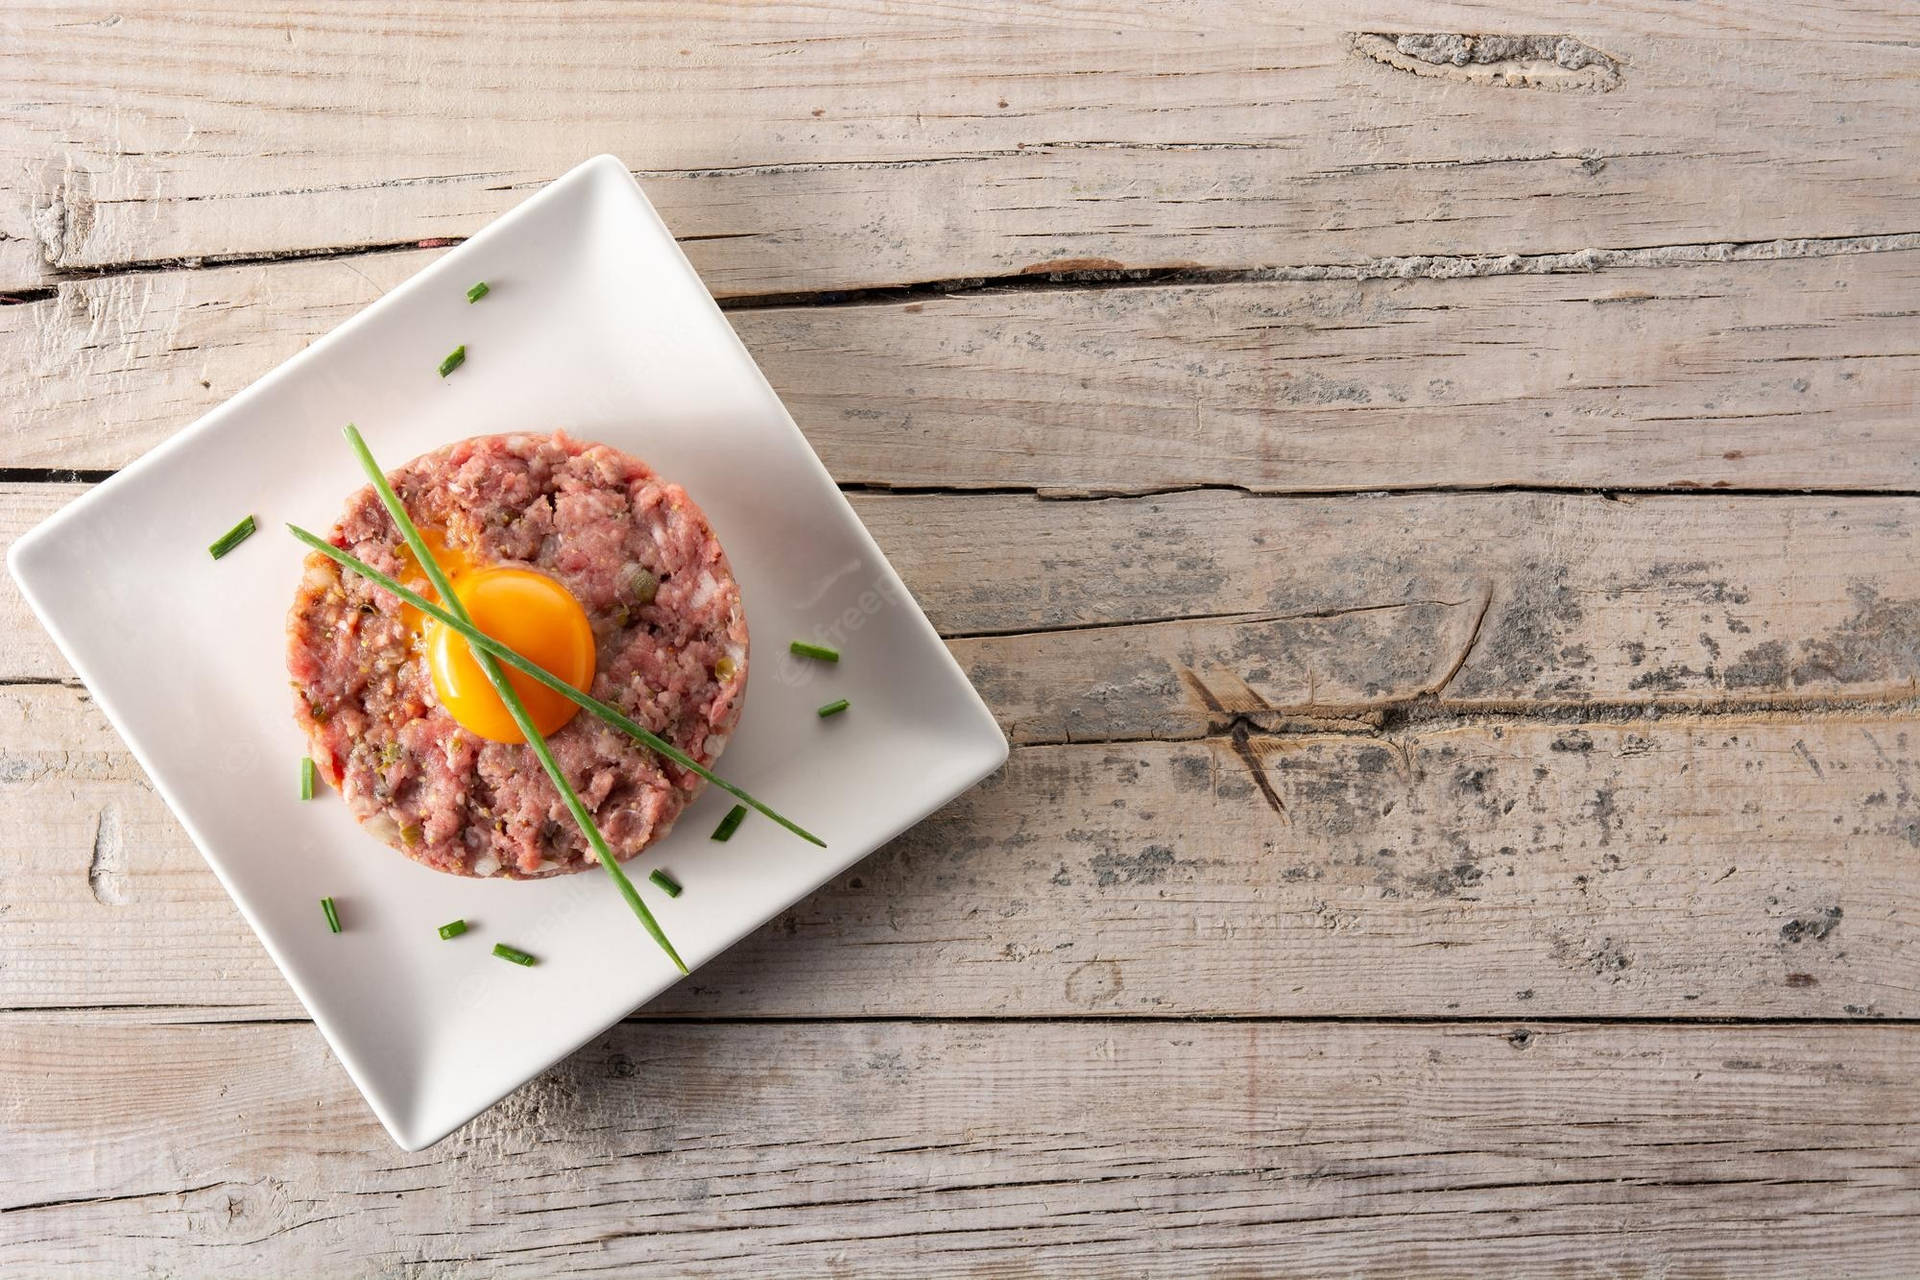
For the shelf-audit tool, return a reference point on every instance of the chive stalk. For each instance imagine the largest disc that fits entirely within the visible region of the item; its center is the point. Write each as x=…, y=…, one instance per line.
x=509, y=697
x=730, y=823
x=665, y=883
x=455, y=358
x=486, y=644
x=333, y=916
x=306, y=777
x=478, y=292
x=801, y=649
x=515, y=954
x=833, y=708
x=453, y=929
x=232, y=538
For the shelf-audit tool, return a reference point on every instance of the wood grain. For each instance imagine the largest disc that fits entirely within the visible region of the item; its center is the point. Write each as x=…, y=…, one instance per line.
x=840, y=145
x=1790, y=372
x=1505, y=868
x=997, y=1150
x=1165, y=617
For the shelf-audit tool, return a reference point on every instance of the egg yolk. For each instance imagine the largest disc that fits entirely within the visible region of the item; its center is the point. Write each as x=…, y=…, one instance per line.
x=531, y=614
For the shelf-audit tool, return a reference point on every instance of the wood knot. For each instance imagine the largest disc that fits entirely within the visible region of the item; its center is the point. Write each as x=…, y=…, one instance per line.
x=1504, y=61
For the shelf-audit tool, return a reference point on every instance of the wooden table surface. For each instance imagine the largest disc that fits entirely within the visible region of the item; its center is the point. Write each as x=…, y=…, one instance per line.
x=1436, y=517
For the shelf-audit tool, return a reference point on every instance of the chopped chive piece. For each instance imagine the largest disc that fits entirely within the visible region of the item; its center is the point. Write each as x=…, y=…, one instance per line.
x=478, y=292
x=306, y=777
x=455, y=358
x=801, y=649
x=730, y=823
x=454, y=929
x=486, y=644
x=509, y=697
x=333, y=916
x=833, y=708
x=514, y=954
x=232, y=538
x=666, y=883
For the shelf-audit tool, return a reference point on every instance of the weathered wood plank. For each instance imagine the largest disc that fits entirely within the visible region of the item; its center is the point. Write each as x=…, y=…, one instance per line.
x=1762, y=374
x=941, y=140
x=913, y=1149
x=1162, y=617
x=1597, y=868
x=1773, y=373
x=27, y=652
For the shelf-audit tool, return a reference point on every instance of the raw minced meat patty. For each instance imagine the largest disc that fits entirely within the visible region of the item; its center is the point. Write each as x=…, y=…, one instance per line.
x=595, y=520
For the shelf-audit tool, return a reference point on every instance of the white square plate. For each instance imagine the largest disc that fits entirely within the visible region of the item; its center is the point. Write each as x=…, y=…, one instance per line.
x=596, y=324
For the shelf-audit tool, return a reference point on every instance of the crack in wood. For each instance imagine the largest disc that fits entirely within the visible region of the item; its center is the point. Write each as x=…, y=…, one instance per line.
x=1473, y=638
x=1243, y=747
x=1248, y=618
x=1387, y=722
x=107, y=865
x=202, y=262
x=54, y=475
x=1073, y=274
x=376, y=184
x=75, y=1201
x=1424, y=711
x=1054, y=493
x=224, y=1018
x=1400, y=267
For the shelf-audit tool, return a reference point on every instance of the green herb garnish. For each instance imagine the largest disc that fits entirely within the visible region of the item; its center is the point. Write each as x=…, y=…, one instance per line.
x=455, y=358
x=666, y=883
x=453, y=930
x=478, y=292
x=833, y=708
x=306, y=777
x=508, y=696
x=232, y=538
x=801, y=649
x=333, y=916
x=493, y=648
x=514, y=954
x=730, y=823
